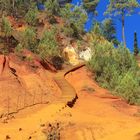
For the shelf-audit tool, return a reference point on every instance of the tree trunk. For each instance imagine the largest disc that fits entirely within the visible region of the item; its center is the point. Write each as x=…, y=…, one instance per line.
x=13, y=7
x=13, y=4
x=123, y=31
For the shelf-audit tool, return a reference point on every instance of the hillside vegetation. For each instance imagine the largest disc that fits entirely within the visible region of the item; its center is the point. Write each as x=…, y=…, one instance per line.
x=46, y=33
x=117, y=70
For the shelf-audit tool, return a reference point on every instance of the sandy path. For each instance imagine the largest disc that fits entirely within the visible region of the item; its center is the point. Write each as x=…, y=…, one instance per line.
x=96, y=115
x=107, y=118
x=30, y=122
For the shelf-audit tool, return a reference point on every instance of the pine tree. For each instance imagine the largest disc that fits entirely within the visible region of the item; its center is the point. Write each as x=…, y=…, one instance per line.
x=97, y=29
x=53, y=7
x=31, y=16
x=109, y=31
x=122, y=8
x=6, y=28
x=136, y=49
x=74, y=20
x=90, y=5
x=29, y=39
x=15, y=7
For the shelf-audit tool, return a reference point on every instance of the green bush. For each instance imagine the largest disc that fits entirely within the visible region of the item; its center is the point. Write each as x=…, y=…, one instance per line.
x=18, y=49
x=75, y=18
x=52, y=7
x=129, y=87
x=29, y=40
x=48, y=45
x=117, y=70
x=6, y=27
x=31, y=16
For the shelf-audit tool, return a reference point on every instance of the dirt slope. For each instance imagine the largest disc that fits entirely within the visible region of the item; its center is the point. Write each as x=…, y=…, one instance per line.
x=96, y=115
x=22, y=85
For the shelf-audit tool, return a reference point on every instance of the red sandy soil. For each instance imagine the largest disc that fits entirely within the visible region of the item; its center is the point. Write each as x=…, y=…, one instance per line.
x=96, y=115
x=24, y=83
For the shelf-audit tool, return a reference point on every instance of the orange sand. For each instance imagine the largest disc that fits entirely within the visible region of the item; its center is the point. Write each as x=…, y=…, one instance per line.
x=97, y=115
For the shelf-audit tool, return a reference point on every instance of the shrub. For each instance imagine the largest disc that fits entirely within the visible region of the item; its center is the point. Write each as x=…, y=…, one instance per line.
x=6, y=27
x=57, y=62
x=31, y=16
x=117, y=70
x=52, y=10
x=18, y=48
x=97, y=29
x=52, y=131
x=109, y=31
x=29, y=40
x=129, y=87
x=48, y=46
x=29, y=58
x=103, y=66
x=52, y=7
x=75, y=18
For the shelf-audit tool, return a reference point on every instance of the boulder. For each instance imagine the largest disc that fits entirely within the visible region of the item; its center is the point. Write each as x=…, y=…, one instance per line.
x=70, y=55
x=85, y=54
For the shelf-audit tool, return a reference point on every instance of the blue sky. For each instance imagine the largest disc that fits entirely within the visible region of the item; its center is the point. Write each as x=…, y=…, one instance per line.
x=132, y=24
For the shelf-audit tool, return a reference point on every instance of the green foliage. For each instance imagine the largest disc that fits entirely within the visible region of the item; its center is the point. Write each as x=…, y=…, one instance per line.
x=6, y=27
x=29, y=40
x=121, y=7
x=48, y=46
x=18, y=48
x=117, y=70
x=52, y=7
x=97, y=29
x=31, y=16
x=75, y=18
x=90, y=5
x=136, y=49
x=129, y=87
x=4, y=50
x=106, y=29
x=29, y=58
x=5, y=5
x=109, y=31
x=15, y=7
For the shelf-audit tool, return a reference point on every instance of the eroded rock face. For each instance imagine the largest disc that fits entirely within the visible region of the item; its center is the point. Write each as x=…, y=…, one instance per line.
x=22, y=86
x=1, y=63
x=10, y=86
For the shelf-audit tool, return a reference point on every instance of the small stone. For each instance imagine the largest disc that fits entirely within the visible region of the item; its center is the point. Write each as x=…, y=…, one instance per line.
x=7, y=137
x=30, y=138
x=20, y=129
x=42, y=125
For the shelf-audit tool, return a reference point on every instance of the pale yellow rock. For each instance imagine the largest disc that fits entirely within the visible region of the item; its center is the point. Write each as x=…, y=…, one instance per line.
x=71, y=55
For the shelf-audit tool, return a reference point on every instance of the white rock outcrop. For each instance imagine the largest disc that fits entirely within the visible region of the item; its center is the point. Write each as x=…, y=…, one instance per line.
x=85, y=54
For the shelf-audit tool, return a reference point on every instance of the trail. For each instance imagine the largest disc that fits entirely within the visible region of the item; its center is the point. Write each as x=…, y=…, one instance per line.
x=31, y=123
x=69, y=94
x=98, y=116
x=95, y=115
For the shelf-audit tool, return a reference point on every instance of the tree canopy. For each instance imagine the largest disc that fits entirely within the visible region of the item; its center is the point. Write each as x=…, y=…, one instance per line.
x=109, y=31
x=90, y=5
x=122, y=8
